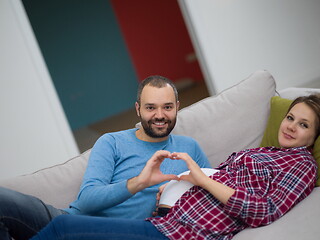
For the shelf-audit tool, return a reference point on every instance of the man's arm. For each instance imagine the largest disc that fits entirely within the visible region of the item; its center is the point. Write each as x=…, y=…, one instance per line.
x=96, y=192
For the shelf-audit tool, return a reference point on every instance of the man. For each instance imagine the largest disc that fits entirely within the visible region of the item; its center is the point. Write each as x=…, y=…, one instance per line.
x=114, y=184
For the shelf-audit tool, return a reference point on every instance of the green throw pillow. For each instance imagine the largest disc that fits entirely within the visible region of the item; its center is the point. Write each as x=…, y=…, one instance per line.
x=278, y=110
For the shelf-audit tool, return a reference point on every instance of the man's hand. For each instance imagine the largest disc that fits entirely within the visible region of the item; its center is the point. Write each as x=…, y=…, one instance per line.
x=151, y=174
x=161, y=188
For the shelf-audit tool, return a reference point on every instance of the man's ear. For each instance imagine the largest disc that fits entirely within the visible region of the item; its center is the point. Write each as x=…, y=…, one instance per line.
x=178, y=105
x=137, y=108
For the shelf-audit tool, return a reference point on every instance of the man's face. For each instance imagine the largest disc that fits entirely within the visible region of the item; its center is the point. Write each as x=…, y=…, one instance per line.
x=157, y=111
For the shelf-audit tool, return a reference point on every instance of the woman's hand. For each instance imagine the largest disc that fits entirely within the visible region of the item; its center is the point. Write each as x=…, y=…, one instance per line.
x=196, y=176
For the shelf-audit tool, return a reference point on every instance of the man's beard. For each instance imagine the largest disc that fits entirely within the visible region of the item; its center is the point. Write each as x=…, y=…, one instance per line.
x=147, y=126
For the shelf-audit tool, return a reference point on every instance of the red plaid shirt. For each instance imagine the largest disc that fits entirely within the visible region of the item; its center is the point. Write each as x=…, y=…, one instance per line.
x=268, y=183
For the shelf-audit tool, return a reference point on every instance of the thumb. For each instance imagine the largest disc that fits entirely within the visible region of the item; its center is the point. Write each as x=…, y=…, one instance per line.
x=168, y=177
x=184, y=177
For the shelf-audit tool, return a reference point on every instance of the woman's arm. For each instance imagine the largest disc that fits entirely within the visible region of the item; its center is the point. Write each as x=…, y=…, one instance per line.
x=293, y=186
x=289, y=188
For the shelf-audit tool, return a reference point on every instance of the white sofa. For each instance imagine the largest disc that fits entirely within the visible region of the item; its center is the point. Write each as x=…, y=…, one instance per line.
x=230, y=121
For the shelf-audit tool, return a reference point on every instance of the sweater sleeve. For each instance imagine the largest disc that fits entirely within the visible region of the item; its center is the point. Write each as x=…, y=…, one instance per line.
x=295, y=185
x=97, y=192
x=201, y=158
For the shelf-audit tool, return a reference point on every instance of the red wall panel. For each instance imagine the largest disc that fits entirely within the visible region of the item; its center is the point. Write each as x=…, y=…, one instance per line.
x=157, y=38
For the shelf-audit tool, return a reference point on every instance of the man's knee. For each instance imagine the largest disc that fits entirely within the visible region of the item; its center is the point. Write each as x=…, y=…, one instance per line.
x=7, y=199
x=22, y=215
x=20, y=206
x=62, y=221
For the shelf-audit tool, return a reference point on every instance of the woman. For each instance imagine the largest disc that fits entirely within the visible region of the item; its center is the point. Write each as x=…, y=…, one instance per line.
x=252, y=188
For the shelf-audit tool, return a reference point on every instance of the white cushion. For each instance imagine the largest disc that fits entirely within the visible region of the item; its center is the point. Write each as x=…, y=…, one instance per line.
x=231, y=121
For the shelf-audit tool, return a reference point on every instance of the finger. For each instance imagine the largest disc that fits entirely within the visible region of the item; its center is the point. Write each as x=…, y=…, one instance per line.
x=163, y=153
x=158, y=158
x=174, y=156
x=158, y=196
x=191, y=164
x=179, y=155
x=169, y=177
x=161, y=188
x=182, y=156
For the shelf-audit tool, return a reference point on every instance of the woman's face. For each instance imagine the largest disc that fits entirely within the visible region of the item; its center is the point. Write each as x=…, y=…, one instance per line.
x=298, y=128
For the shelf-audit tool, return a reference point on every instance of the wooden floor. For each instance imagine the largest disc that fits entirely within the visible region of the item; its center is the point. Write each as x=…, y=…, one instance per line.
x=87, y=136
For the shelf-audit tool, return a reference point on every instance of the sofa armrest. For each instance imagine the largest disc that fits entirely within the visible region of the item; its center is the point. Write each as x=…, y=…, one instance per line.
x=57, y=185
x=294, y=92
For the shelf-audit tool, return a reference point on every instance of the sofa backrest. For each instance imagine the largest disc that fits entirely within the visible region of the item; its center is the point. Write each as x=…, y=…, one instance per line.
x=56, y=185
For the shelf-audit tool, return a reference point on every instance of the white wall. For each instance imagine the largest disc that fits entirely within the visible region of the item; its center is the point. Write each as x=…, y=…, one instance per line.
x=235, y=38
x=34, y=132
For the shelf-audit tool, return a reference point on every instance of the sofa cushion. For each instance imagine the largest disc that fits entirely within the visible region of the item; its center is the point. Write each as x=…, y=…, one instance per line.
x=298, y=223
x=57, y=185
x=230, y=121
x=279, y=108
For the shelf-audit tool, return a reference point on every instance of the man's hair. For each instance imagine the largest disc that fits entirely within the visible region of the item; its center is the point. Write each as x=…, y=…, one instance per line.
x=313, y=101
x=156, y=81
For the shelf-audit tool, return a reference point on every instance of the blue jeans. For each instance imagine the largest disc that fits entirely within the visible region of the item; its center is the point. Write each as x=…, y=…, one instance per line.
x=66, y=227
x=22, y=216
